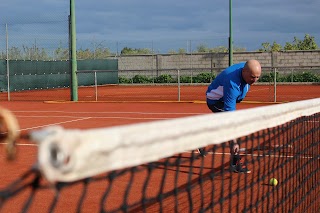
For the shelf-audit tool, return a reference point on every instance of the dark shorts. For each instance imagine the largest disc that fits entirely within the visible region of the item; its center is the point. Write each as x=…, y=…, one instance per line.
x=217, y=107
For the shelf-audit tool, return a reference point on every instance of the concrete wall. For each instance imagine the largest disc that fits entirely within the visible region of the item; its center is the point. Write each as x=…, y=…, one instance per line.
x=217, y=60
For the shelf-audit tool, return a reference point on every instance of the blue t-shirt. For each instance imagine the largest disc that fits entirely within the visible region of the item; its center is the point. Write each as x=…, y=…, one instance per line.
x=228, y=87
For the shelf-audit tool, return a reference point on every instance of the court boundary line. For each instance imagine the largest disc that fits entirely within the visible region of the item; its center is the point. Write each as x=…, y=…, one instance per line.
x=113, y=112
x=153, y=101
x=255, y=155
x=22, y=144
x=264, y=155
x=52, y=124
x=211, y=153
x=101, y=117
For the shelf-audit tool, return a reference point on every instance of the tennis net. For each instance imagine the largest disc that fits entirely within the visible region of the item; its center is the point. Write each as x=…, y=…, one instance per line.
x=156, y=166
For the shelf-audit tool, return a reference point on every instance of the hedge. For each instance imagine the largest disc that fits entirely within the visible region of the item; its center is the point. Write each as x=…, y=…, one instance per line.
x=208, y=77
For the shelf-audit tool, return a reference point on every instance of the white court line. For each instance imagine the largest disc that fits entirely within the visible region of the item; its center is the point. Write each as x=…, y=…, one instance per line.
x=108, y=117
x=52, y=124
x=141, y=113
x=145, y=113
x=48, y=116
x=218, y=153
x=255, y=89
x=74, y=120
x=23, y=144
x=41, y=126
x=131, y=118
x=36, y=111
x=257, y=155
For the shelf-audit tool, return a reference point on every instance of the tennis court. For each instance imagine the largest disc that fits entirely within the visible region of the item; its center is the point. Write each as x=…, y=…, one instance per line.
x=185, y=182
x=33, y=115
x=156, y=93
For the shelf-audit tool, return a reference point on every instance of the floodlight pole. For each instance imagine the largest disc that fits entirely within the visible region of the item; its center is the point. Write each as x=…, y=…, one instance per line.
x=74, y=81
x=230, y=34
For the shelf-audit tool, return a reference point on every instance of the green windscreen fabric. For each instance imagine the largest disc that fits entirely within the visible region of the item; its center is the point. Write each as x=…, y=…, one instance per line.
x=27, y=75
x=106, y=71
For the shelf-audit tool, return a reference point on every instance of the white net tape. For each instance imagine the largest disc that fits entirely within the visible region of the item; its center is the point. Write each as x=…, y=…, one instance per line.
x=69, y=155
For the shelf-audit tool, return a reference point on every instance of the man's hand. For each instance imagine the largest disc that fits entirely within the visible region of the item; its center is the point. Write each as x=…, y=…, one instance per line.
x=234, y=147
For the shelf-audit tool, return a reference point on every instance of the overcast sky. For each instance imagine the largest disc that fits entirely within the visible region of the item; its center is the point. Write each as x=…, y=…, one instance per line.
x=165, y=24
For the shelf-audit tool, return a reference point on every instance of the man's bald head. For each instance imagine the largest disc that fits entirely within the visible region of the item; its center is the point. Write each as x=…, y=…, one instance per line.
x=251, y=71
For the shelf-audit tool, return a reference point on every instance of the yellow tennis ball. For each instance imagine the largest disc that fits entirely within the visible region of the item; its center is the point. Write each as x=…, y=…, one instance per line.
x=273, y=182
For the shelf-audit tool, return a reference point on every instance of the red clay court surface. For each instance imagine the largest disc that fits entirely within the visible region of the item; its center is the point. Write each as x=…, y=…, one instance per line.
x=34, y=115
x=258, y=92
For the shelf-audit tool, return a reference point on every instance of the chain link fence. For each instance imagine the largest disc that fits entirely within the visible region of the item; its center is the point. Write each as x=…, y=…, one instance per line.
x=34, y=60
x=34, y=49
x=276, y=84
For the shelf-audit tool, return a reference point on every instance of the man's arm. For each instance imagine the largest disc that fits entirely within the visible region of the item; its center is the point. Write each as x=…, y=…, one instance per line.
x=230, y=94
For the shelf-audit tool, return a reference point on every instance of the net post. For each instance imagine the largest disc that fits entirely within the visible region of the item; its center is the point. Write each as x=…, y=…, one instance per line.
x=178, y=85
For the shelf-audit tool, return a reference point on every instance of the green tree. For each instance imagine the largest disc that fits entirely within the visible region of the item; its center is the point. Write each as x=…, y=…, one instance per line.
x=84, y=54
x=276, y=47
x=101, y=53
x=204, y=49
x=61, y=53
x=239, y=49
x=15, y=53
x=308, y=43
x=267, y=47
x=180, y=51
x=127, y=50
x=220, y=49
x=135, y=51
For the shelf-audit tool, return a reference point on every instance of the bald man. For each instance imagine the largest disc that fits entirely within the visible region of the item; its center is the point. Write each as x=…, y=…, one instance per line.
x=226, y=90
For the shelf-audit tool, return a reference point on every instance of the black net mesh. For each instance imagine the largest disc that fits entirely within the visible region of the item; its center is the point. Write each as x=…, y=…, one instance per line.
x=192, y=181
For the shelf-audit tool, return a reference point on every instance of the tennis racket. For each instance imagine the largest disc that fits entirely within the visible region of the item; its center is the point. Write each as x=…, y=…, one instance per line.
x=9, y=132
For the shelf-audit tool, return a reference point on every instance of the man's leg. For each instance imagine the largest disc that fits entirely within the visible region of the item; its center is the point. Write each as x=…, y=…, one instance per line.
x=235, y=160
x=218, y=107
